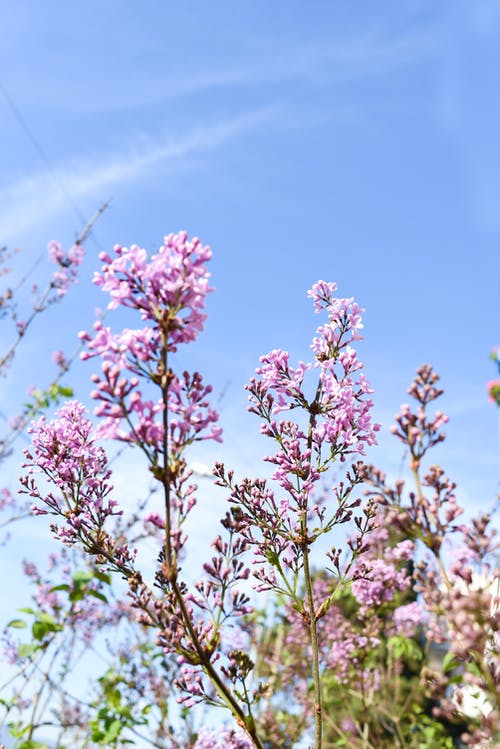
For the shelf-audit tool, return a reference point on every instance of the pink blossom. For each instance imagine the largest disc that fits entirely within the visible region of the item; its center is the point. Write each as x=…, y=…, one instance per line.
x=168, y=290
x=222, y=739
x=10, y=649
x=382, y=581
x=155, y=519
x=286, y=381
x=65, y=451
x=68, y=264
x=174, y=280
x=30, y=569
x=6, y=498
x=46, y=597
x=59, y=358
x=322, y=293
x=408, y=618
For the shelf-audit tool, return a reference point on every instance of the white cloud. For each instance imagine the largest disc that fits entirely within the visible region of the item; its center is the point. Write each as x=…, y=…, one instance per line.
x=32, y=199
x=366, y=55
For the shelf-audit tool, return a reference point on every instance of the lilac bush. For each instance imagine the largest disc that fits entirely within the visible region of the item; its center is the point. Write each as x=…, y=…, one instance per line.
x=364, y=592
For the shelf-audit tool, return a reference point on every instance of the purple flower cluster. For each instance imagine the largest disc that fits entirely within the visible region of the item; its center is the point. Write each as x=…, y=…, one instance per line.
x=65, y=452
x=341, y=422
x=169, y=289
x=222, y=739
x=380, y=584
x=378, y=573
x=408, y=618
x=68, y=264
x=6, y=498
x=335, y=424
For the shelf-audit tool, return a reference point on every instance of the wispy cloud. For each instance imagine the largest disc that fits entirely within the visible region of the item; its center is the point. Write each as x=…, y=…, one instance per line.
x=32, y=199
x=366, y=55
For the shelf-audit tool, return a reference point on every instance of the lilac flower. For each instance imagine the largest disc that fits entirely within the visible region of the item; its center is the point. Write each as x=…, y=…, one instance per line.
x=169, y=288
x=68, y=264
x=59, y=358
x=6, y=498
x=222, y=739
x=408, y=618
x=379, y=584
x=333, y=424
x=64, y=450
x=10, y=649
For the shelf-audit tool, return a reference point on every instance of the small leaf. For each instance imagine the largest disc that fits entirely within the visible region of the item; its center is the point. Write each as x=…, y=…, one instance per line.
x=24, y=650
x=102, y=576
x=47, y=619
x=39, y=630
x=81, y=577
x=66, y=392
x=272, y=557
x=449, y=662
x=63, y=586
x=112, y=731
x=97, y=594
x=17, y=624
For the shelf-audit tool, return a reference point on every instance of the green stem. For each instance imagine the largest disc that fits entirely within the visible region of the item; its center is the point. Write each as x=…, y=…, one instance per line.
x=166, y=480
x=313, y=633
x=246, y=722
x=214, y=677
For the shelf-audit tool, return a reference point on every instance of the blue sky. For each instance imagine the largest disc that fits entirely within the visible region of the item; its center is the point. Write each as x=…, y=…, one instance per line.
x=348, y=141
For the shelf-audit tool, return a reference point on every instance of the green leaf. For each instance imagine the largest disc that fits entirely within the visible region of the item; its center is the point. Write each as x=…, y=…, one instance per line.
x=82, y=577
x=17, y=730
x=77, y=594
x=17, y=624
x=458, y=679
x=48, y=619
x=272, y=557
x=449, y=662
x=66, y=392
x=102, y=576
x=112, y=731
x=43, y=625
x=25, y=649
x=39, y=630
x=63, y=586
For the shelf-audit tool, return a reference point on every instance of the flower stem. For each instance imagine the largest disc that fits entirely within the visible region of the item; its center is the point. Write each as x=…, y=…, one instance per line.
x=246, y=722
x=313, y=633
